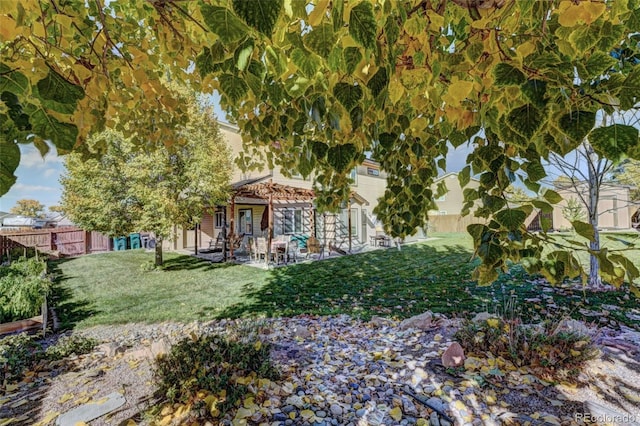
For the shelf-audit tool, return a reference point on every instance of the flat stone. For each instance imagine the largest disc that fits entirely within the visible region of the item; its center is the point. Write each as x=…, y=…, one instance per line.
x=93, y=410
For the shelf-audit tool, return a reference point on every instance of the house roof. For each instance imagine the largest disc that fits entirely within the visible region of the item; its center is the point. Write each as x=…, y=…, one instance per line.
x=446, y=175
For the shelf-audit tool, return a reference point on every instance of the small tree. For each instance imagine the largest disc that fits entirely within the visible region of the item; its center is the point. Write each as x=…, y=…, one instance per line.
x=28, y=207
x=153, y=189
x=574, y=210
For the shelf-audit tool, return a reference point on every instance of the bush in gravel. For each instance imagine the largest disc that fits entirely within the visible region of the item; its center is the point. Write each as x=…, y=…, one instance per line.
x=212, y=364
x=20, y=352
x=557, y=355
x=17, y=353
x=70, y=345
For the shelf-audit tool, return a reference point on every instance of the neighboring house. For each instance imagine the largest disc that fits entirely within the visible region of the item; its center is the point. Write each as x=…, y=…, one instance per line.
x=447, y=217
x=293, y=206
x=452, y=202
x=615, y=208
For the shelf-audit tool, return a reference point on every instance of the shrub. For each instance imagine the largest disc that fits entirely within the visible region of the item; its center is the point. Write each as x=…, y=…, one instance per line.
x=20, y=352
x=214, y=364
x=17, y=353
x=70, y=345
x=557, y=355
x=23, y=288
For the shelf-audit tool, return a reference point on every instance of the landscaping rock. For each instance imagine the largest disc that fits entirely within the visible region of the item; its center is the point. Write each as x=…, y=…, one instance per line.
x=419, y=322
x=483, y=316
x=453, y=356
x=110, y=349
x=573, y=326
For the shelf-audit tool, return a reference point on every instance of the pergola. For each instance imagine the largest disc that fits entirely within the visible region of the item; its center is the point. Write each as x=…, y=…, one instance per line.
x=270, y=192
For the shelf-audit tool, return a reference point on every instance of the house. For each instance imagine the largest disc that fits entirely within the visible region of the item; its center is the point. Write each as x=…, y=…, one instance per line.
x=615, y=207
x=452, y=202
x=447, y=217
x=291, y=201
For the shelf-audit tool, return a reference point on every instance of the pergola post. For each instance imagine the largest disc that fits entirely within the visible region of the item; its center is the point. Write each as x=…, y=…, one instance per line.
x=270, y=228
x=232, y=232
x=349, y=221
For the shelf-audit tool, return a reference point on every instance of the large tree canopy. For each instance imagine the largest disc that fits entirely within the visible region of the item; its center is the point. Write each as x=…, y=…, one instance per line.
x=322, y=84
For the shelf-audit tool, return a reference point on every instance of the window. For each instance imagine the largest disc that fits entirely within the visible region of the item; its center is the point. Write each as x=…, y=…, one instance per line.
x=219, y=217
x=292, y=221
x=354, y=176
x=245, y=221
x=373, y=172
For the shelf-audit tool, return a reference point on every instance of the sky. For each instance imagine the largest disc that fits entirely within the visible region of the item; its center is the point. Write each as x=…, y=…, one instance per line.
x=37, y=178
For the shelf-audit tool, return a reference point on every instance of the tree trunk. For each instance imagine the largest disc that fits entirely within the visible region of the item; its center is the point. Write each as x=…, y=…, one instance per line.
x=159, y=252
x=594, y=194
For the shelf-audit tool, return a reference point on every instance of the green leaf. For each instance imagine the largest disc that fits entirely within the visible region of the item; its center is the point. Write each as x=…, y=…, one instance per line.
x=552, y=196
x=534, y=170
x=321, y=40
x=233, y=87
x=348, y=95
x=340, y=157
x=337, y=12
x=224, y=23
x=378, y=82
x=362, y=25
x=584, y=229
x=9, y=161
x=55, y=87
x=628, y=265
x=352, y=57
x=476, y=230
x=614, y=141
x=507, y=75
x=535, y=91
x=242, y=55
x=511, y=219
x=387, y=140
x=577, y=124
x=319, y=149
x=599, y=63
x=259, y=14
x=12, y=81
x=630, y=89
x=306, y=62
x=356, y=118
x=464, y=176
x=543, y=206
x=525, y=120
x=63, y=135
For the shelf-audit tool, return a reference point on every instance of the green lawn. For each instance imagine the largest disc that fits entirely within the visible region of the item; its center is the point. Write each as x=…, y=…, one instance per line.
x=434, y=275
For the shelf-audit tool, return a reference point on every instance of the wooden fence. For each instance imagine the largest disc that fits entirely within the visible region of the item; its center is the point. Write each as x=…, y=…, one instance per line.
x=66, y=242
x=452, y=222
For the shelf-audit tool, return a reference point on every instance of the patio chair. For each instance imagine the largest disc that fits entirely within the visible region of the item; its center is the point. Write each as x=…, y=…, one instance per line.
x=217, y=244
x=261, y=248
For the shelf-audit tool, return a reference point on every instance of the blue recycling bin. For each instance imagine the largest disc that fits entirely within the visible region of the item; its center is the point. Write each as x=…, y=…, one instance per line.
x=120, y=243
x=134, y=241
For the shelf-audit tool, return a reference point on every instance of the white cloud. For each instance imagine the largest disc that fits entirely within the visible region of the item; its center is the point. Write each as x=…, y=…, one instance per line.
x=25, y=187
x=31, y=157
x=50, y=172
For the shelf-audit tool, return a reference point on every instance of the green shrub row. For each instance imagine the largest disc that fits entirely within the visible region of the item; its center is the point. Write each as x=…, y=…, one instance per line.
x=23, y=288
